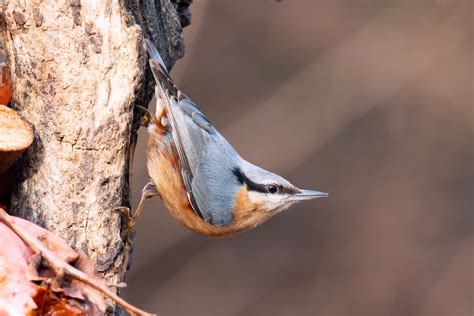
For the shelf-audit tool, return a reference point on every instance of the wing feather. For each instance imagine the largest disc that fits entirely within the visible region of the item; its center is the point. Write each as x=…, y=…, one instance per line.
x=169, y=92
x=200, y=148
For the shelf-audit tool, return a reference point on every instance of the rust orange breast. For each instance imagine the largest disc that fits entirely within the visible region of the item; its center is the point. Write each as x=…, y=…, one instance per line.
x=164, y=169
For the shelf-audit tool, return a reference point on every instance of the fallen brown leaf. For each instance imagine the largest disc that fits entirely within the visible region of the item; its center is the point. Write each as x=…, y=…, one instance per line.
x=29, y=285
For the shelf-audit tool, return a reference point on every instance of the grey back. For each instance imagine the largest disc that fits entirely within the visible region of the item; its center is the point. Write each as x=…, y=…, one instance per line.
x=211, y=159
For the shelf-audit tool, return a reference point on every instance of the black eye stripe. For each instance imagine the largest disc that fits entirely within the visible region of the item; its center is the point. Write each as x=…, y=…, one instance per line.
x=263, y=188
x=286, y=190
x=250, y=184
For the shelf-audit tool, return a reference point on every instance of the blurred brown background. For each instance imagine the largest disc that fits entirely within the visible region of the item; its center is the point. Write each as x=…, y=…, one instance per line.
x=368, y=100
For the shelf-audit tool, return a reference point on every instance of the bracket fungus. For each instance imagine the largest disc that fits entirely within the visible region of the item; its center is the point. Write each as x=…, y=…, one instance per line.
x=16, y=135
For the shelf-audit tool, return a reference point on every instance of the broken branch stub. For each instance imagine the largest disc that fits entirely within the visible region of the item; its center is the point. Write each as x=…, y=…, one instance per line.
x=16, y=135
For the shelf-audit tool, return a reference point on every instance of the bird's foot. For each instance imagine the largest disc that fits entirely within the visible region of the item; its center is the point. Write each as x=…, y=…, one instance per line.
x=149, y=191
x=128, y=223
x=146, y=118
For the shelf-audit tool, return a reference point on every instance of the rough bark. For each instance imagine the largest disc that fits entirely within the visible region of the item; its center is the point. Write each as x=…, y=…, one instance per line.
x=78, y=69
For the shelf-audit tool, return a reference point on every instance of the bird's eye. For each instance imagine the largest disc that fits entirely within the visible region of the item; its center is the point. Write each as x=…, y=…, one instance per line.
x=272, y=188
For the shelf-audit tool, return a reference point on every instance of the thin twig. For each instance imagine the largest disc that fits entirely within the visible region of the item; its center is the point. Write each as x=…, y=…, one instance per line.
x=60, y=265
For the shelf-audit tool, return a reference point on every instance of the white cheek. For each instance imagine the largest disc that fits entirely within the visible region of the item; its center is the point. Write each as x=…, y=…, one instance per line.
x=256, y=197
x=276, y=201
x=267, y=201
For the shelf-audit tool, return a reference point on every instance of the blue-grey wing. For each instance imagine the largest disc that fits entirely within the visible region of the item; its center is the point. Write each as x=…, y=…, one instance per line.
x=206, y=158
x=211, y=160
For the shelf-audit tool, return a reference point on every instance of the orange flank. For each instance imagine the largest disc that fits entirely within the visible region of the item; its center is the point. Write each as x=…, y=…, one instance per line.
x=163, y=167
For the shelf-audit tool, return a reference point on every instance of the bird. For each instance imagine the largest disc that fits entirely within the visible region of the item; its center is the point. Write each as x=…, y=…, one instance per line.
x=203, y=181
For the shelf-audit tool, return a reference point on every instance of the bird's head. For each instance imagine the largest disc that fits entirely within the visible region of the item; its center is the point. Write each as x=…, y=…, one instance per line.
x=268, y=192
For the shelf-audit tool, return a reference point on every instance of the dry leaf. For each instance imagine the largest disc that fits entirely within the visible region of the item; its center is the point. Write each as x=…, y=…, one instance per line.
x=16, y=290
x=28, y=286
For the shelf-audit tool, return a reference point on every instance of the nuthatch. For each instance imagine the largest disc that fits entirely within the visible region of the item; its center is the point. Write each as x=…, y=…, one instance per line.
x=199, y=176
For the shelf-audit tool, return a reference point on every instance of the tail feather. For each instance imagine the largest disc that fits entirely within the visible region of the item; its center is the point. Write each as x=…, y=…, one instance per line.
x=153, y=52
x=161, y=74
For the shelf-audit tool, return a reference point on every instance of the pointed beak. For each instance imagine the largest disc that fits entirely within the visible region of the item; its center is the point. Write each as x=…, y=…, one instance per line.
x=309, y=195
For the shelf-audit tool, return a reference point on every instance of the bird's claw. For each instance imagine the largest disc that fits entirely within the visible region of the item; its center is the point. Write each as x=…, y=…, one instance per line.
x=128, y=223
x=146, y=118
x=148, y=191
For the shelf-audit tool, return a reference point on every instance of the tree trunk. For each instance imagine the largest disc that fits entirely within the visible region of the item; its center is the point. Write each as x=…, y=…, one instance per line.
x=78, y=69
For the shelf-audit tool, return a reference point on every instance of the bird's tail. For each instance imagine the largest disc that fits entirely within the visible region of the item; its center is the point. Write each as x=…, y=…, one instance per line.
x=154, y=54
x=165, y=87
